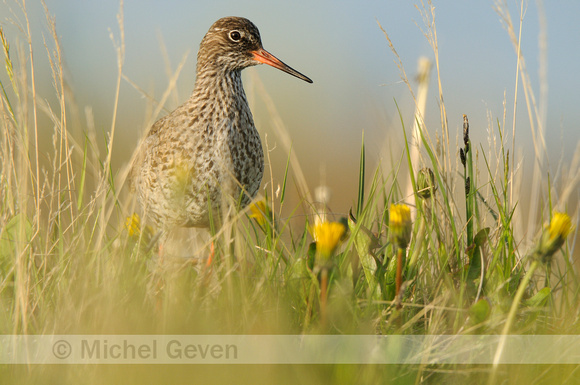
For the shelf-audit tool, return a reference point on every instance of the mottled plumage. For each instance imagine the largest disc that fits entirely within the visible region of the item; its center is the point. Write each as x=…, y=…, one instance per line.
x=208, y=149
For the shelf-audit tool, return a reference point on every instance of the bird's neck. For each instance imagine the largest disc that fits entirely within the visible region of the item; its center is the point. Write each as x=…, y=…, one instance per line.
x=223, y=89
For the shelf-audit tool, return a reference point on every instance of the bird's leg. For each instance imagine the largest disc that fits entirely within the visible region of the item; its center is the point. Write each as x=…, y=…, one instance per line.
x=211, y=255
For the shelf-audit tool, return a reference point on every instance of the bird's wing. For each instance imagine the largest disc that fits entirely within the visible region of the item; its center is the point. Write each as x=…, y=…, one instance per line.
x=145, y=144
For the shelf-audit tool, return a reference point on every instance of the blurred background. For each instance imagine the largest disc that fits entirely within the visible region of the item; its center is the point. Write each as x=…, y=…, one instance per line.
x=338, y=44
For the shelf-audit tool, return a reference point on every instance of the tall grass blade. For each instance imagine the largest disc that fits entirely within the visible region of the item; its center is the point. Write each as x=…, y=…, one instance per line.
x=361, y=179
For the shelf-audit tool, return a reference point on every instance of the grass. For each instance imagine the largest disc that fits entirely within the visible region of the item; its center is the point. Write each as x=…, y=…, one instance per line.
x=69, y=263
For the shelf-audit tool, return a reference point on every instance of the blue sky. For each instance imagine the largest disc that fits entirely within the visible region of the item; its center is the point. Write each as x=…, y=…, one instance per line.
x=340, y=46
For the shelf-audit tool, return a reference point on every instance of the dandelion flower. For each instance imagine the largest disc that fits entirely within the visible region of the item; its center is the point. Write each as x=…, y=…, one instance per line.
x=327, y=236
x=554, y=235
x=134, y=229
x=400, y=225
x=260, y=212
x=133, y=225
x=560, y=226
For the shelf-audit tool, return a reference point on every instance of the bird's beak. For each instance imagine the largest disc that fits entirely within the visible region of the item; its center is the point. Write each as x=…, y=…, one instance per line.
x=265, y=57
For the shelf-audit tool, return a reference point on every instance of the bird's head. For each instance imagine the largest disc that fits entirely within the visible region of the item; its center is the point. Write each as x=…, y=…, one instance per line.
x=233, y=43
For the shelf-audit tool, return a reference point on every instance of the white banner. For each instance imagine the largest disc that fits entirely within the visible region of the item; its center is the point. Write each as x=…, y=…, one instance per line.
x=286, y=349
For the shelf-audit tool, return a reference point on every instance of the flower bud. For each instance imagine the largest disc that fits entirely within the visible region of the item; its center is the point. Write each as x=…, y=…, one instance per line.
x=425, y=183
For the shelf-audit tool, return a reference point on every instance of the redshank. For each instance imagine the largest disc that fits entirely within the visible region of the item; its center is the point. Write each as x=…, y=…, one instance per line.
x=207, y=151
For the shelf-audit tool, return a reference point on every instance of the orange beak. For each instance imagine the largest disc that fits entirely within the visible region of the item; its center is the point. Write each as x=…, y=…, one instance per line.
x=265, y=57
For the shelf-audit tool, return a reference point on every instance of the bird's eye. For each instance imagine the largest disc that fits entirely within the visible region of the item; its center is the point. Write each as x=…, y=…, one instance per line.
x=235, y=36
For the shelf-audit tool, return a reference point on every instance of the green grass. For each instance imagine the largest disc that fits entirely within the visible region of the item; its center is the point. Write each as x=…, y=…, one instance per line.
x=69, y=264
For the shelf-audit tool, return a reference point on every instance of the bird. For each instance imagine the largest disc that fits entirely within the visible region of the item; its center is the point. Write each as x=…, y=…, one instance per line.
x=207, y=151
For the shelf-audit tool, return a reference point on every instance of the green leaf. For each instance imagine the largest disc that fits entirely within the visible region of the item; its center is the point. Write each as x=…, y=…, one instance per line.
x=311, y=253
x=361, y=180
x=283, y=194
x=539, y=299
x=390, y=284
x=481, y=237
x=480, y=311
x=364, y=243
x=474, y=253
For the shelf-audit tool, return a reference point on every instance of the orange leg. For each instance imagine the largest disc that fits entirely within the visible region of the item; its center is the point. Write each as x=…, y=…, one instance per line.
x=211, y=255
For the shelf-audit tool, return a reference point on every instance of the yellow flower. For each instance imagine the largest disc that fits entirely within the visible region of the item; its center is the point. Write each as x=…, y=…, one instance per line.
x=260, y=212
x=327, y=236
x=554, y=235
x=400, y=225
x=133, y=225
x=560, y=226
